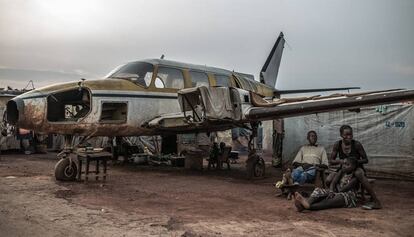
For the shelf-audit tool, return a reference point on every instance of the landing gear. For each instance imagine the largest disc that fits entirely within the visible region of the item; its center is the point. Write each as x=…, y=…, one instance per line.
x=255, y=164
x=259, y=168
x=66, y=170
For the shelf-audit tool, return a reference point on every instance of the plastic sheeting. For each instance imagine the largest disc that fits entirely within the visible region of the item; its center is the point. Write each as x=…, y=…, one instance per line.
x=216, y=100
x=386, y=132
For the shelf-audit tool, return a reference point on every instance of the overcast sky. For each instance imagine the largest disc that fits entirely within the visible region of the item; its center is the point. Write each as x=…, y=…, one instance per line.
x=330, y=43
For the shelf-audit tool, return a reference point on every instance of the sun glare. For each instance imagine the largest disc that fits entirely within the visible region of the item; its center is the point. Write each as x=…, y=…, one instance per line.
x=68, y=11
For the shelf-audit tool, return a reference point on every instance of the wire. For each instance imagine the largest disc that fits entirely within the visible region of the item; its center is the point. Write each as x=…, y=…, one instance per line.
x=30, y=82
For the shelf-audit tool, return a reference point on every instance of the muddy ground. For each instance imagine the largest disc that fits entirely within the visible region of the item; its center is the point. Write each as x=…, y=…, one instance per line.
x=166, y=201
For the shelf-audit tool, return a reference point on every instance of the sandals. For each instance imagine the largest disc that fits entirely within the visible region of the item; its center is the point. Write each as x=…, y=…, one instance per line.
x=372, y=206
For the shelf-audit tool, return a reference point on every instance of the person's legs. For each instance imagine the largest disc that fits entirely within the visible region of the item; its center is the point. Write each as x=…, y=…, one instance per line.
x=360, y=175
x=309, y=175
x=317, y=195
x=297, y=175
x=335, y=202
x=312, y=200
x=319, y=201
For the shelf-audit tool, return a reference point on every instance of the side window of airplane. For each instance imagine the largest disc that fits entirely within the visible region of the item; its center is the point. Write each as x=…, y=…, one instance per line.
x=222, y=80
x=169, y=78
x=199, y=79
x=114, y=112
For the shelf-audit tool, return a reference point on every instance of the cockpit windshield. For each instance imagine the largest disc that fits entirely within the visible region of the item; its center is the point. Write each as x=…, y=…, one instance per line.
x=138, y=72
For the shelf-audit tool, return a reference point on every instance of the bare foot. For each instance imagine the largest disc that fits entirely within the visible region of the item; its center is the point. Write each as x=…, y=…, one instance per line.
x=302, y=200
x=298, y=206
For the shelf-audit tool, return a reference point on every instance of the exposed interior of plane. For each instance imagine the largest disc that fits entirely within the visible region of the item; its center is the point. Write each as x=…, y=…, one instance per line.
x=69, y=105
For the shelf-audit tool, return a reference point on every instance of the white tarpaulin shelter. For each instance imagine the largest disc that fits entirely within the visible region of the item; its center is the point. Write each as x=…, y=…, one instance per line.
x=386, y=132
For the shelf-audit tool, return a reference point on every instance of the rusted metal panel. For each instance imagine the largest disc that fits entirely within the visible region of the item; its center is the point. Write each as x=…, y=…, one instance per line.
x=34, y=110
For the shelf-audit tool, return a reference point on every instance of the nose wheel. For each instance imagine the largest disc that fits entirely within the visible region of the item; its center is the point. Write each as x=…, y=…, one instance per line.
x=66, y=170
x=255, y=164
x=259, y=168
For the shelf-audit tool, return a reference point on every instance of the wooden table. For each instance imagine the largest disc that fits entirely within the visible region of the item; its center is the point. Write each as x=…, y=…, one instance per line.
x=98, y=157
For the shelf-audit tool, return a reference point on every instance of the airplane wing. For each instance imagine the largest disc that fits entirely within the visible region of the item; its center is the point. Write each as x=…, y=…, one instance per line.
x=219, y=108
x=298, y=91
x=318, y=104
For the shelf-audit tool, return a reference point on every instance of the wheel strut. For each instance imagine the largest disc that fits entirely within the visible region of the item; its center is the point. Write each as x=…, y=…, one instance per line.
x=255, y=164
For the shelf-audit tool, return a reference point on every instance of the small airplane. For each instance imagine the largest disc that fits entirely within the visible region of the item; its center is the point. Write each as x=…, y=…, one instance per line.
x=162, y=97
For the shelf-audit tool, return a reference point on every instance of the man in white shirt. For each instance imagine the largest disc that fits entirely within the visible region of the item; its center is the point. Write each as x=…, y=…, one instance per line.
x=308, y=158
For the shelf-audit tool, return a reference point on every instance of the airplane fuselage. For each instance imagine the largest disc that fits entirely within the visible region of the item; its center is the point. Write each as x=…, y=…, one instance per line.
x=122, y=103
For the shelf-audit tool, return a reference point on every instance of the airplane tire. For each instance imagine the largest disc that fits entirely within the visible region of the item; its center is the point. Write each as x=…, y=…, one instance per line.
x=255, y=168
x=64, y=171
x=259, y=168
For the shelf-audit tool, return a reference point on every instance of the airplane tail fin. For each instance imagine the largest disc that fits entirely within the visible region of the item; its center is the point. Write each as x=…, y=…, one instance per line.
x=268, y=74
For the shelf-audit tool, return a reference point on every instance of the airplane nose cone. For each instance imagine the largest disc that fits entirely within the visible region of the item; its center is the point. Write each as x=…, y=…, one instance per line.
x=14, y=109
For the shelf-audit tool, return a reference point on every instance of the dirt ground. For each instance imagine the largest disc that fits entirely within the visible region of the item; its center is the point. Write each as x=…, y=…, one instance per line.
x=166, y=201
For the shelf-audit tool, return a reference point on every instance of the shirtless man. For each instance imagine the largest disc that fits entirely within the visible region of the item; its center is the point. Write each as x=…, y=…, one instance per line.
x=347, y=147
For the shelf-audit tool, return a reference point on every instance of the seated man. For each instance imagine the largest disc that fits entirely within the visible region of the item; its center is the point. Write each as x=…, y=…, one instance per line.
x=341, y=192
x=308, y=159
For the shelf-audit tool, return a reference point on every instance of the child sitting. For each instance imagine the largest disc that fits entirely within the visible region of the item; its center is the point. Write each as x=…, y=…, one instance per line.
x=341, y=192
